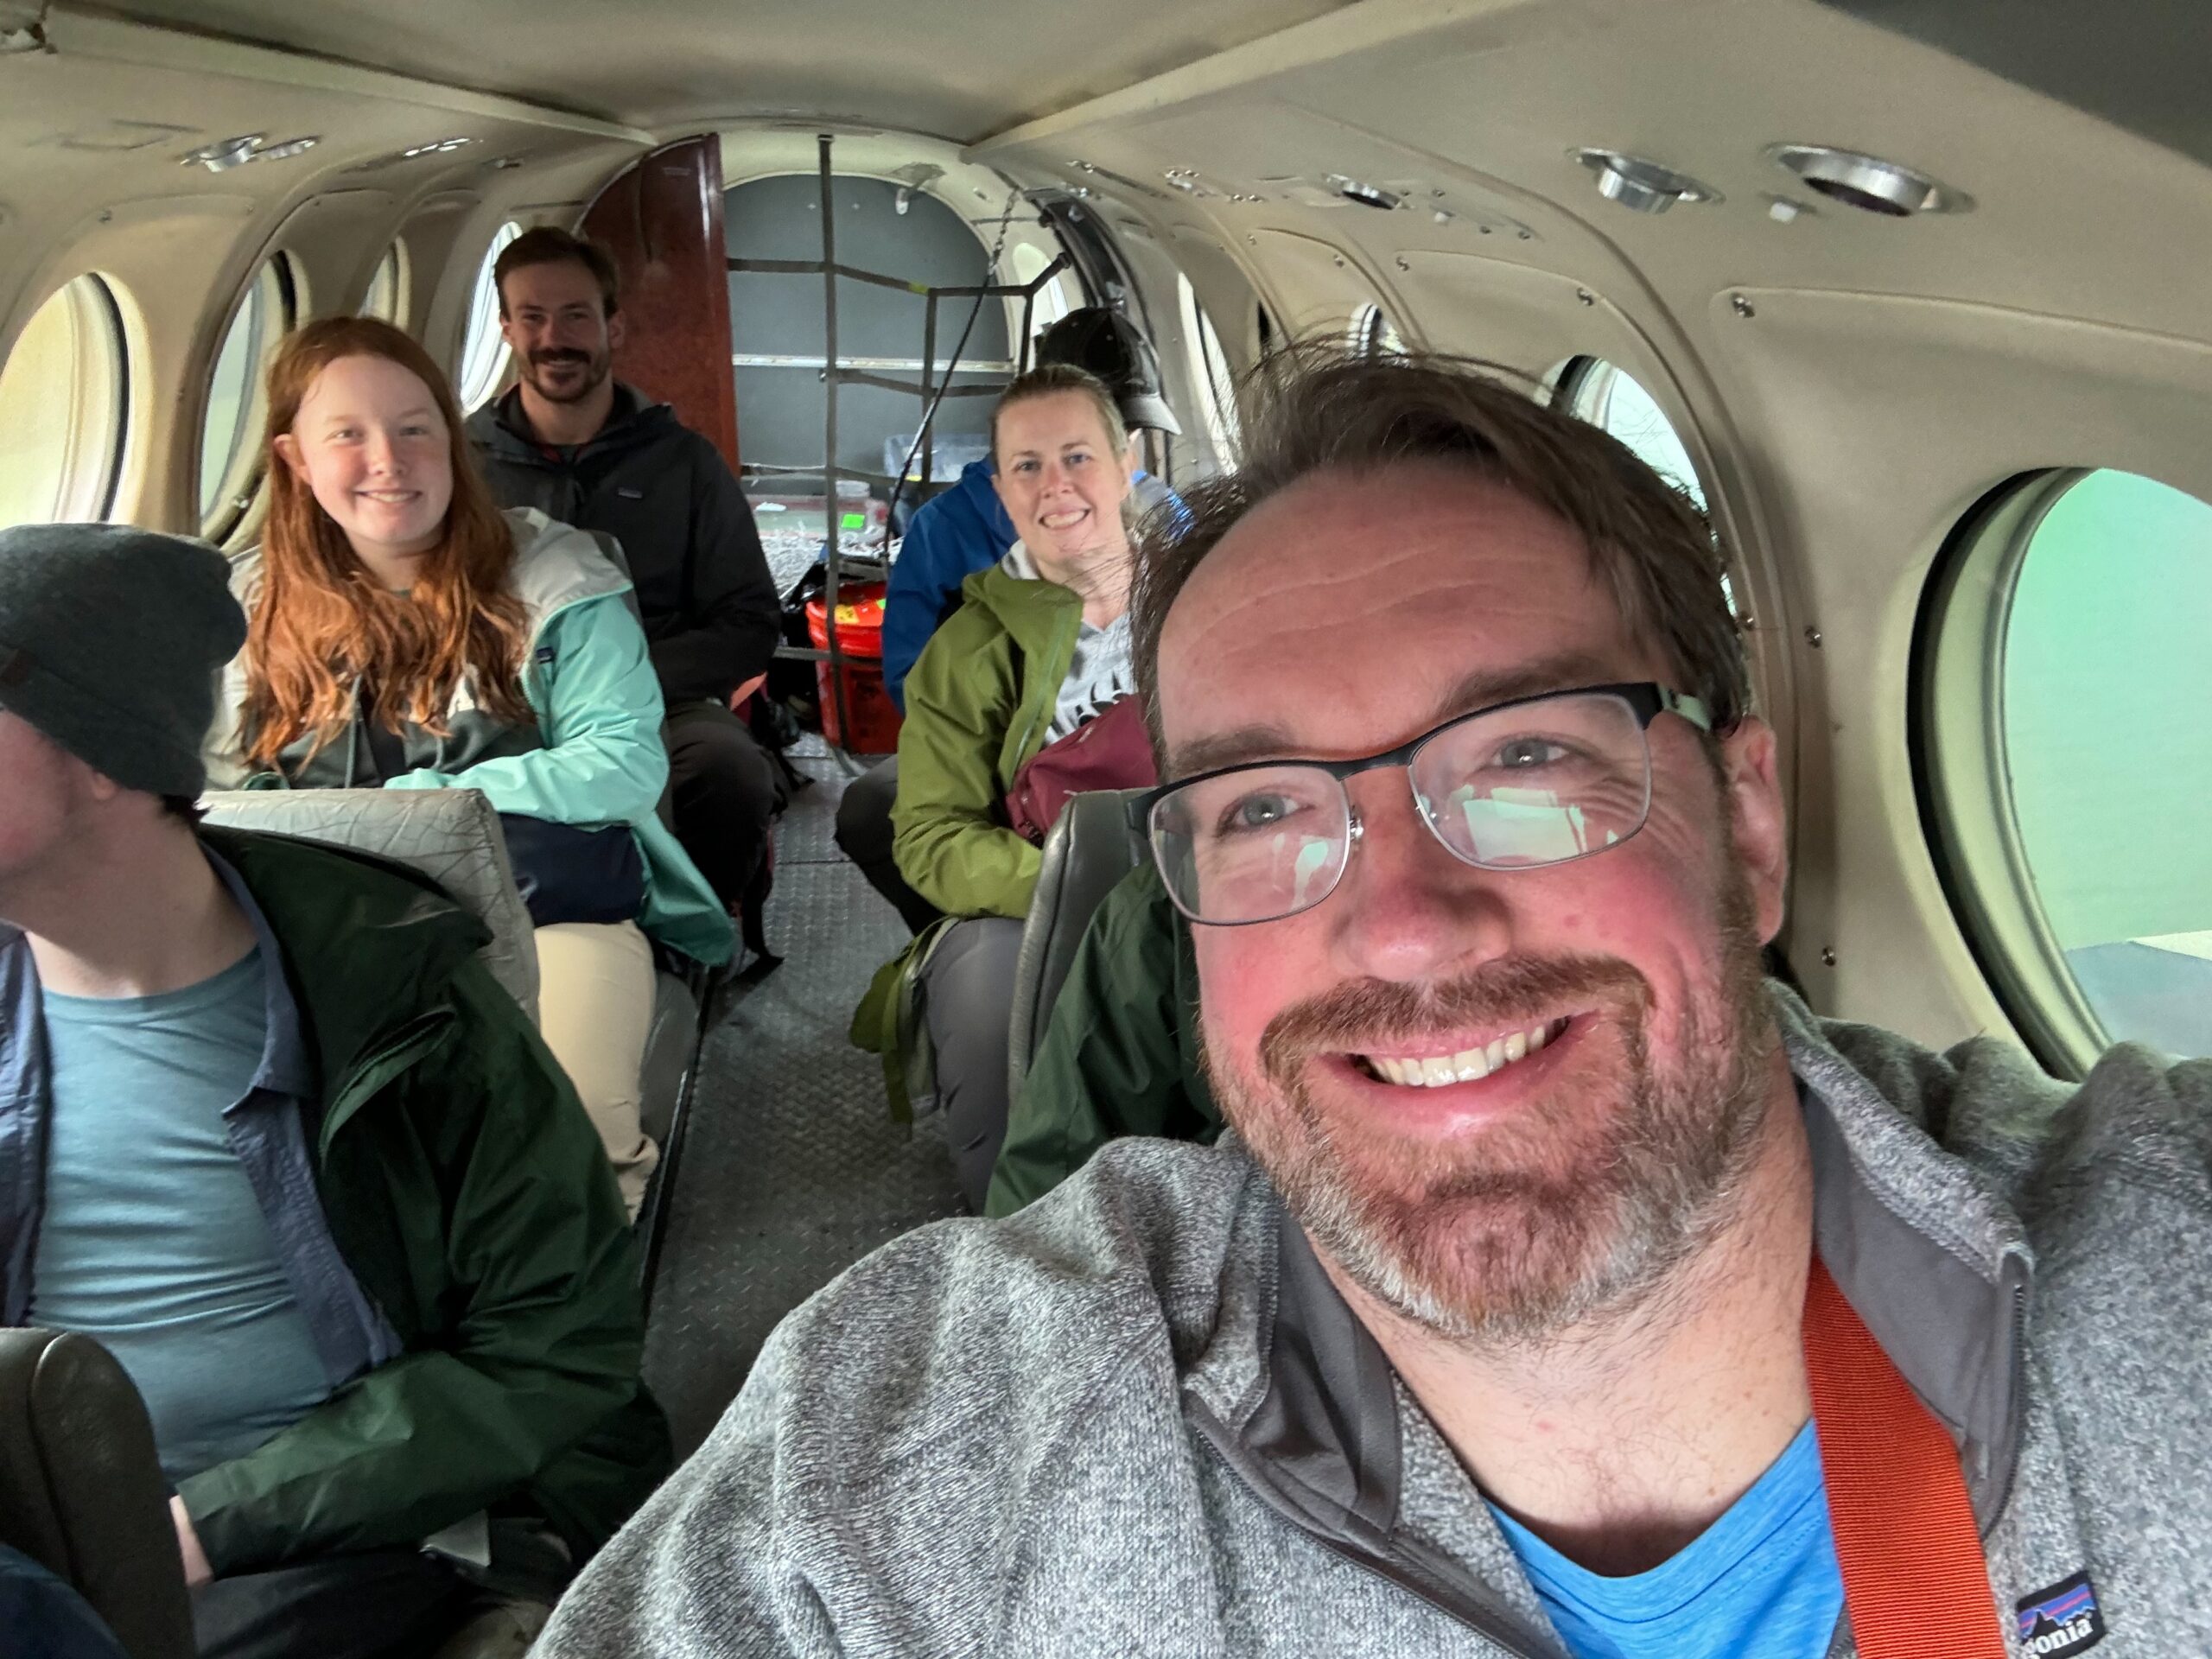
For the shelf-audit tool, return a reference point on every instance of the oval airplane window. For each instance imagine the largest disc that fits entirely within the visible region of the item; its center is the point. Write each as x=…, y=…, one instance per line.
x=230, y=437
x=387, y=296
x=483, y=347
x=62, y=408
x=1596, y=391
x=2068, y=760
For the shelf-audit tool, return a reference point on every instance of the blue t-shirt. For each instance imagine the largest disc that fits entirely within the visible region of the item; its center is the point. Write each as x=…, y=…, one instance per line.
x=152, y=1239
x=1759, y=1583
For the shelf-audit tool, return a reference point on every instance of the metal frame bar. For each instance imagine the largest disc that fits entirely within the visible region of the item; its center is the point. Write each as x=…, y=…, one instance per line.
x=832, y=527
x=929, y=388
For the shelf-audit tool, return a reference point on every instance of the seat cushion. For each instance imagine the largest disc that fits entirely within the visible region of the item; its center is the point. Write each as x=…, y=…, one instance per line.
x=451, y=836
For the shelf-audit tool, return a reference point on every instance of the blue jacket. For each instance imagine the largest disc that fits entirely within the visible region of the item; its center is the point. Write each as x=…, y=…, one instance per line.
x=962, y=531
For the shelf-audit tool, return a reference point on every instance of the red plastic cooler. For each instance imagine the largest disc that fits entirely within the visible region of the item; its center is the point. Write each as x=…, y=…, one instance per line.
x=860, y=637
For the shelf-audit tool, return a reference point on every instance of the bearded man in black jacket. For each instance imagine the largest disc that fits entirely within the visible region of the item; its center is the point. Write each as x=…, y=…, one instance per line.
x=582, y=447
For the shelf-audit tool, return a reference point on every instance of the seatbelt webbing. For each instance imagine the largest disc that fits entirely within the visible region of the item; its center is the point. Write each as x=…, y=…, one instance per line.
x=1914, y=1578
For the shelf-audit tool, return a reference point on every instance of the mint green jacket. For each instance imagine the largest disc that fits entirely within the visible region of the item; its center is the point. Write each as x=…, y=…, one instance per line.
x=598, y=757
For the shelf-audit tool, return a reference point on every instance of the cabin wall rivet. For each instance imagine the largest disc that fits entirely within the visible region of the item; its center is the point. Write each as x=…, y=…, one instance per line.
x=1827, y=955
x=1812, y=637
x=1742, y=306
x=1586, y=296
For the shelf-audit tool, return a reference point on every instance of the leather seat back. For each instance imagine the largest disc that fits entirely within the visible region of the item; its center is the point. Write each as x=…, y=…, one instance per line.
x=452, y=836
x=81, y=1491
x=1089, y=850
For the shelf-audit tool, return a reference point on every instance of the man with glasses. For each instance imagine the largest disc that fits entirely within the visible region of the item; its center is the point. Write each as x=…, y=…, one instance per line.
x=1565, y=1287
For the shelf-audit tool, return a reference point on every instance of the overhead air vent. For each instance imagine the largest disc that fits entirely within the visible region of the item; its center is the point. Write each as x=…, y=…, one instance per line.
x=1641, y=184
x=1868, y=183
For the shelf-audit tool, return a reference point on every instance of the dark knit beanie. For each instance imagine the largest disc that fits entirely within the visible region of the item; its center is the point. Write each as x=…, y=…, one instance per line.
x=112, y=641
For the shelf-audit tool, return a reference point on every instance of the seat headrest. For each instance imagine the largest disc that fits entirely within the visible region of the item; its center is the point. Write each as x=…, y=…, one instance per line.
x=1090, y=849
x=452, y=836
x=81, y=1491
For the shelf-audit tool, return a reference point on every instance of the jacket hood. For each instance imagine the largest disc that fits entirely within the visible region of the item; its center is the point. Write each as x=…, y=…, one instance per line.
x=975, y=492
x=370, y=946
x=557, y=565
x=633, y=421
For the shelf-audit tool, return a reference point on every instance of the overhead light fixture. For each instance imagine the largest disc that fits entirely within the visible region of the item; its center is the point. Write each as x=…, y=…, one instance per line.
x=1367, y=195
x=1867, y=183
x=1641, y=184
x=435, y=147
x=227, y=153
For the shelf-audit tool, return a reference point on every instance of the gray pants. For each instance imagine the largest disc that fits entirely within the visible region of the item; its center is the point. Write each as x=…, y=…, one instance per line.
x=968, y=998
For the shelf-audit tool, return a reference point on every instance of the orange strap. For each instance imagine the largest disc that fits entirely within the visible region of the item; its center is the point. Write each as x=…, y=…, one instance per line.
x=1915, y=1578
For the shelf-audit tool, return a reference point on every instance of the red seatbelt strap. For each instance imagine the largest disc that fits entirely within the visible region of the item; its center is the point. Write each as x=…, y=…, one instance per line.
x=1915, y=1578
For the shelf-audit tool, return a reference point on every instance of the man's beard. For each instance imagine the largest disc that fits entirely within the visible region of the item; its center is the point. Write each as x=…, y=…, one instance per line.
x=1580, y=1207
x=597, y=365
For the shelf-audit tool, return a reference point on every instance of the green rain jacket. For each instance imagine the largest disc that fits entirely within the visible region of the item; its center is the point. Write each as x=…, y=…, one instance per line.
x=979, y=702
x=1120, y=1055
x=468, y=1193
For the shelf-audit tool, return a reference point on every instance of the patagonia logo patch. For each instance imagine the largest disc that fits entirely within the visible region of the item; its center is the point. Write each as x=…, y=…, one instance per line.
x=2063, y=1619
x=629, y=494
x=544, y=656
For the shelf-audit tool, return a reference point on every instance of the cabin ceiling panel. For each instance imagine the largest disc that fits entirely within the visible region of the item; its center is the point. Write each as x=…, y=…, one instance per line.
x=2072, y=213
x=72, y=147
x=959, y=70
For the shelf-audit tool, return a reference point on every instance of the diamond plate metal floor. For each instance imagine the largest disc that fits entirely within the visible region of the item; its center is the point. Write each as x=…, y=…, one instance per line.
x=790, y=1169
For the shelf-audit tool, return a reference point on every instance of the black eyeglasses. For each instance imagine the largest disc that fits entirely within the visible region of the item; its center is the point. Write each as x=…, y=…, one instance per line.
x=1540, y=780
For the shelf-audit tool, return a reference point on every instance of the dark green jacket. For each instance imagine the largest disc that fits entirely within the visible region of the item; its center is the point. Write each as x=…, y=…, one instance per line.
x=469, y=1194
x=1120, y=1052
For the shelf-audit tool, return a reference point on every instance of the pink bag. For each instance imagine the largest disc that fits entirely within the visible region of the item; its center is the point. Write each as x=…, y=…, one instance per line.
x=1111, y=750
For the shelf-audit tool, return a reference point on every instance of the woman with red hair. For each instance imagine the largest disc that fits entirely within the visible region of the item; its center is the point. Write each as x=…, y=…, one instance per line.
x=405, y=634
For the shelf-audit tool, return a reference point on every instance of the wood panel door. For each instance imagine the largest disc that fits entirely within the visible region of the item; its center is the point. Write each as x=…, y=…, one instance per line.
x=662, y=219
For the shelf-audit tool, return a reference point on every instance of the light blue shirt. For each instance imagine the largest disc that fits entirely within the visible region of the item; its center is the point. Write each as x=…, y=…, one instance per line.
x=1759, y=1583
x=152, y=1239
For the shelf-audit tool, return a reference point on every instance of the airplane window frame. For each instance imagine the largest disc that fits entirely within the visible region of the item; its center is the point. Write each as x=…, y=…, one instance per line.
x=1210, y=373
x=97, y=429
x=1963, y=773
x=484, y=356
x=1373, y=334
x=385, y=298
x=273, y=295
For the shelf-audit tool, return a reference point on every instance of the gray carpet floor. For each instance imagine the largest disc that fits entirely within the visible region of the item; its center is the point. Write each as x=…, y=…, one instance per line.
x=791, y=1170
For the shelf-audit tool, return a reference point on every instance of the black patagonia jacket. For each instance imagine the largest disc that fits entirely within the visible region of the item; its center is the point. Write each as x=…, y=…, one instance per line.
x=661, y=491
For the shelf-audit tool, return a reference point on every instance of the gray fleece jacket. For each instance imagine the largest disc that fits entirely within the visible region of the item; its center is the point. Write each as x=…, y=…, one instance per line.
x=1136, y=1418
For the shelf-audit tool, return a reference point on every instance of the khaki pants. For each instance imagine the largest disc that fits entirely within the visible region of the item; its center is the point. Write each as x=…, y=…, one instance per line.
x=596, y=1010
